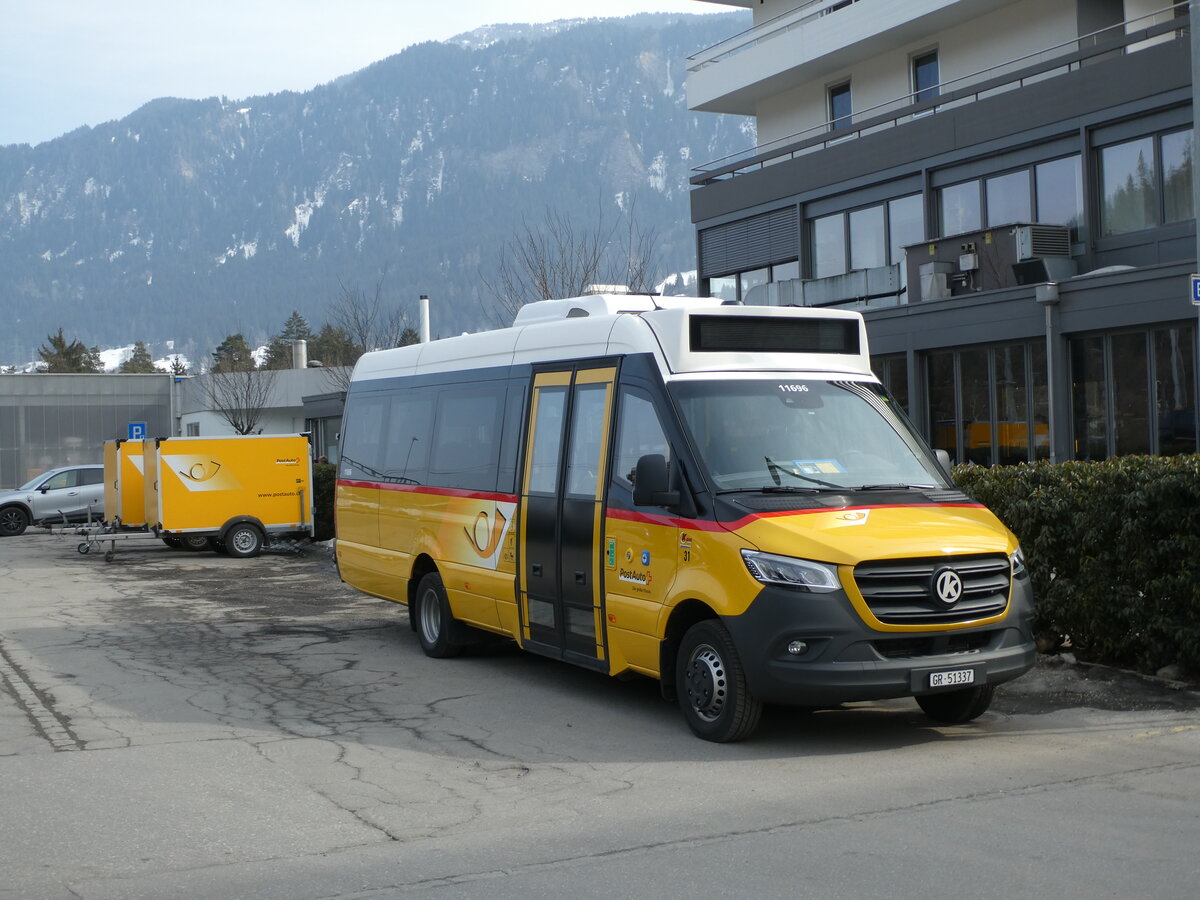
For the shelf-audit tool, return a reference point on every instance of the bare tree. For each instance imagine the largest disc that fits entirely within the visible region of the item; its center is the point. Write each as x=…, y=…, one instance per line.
x=239, y=397
x=358, y=323
x=557, y=257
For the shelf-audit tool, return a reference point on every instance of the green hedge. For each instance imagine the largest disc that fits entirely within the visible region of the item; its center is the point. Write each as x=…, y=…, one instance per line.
x=1113, y=549
x=324, y=481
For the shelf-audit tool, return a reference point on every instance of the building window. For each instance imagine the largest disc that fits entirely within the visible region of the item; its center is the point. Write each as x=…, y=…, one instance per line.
x=840, y=108
x=1009, y=199
x=989, y=405
x=748, y=287
x=892, y=371
x=723, y=288
x=1146, y=182
x=906, y=226
x=868, y=241
x=1134, y=392
x=829, y=246
x=193, y=429
x=748, y=281
x=961, y=207
x=1050, y=193
x=866, y=238
x=1177, y=176
x=1058, y=189
x=925, y=76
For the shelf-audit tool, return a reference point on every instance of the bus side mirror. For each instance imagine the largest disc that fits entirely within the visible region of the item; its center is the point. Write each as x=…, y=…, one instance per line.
x=943, y=459
x=652, y=484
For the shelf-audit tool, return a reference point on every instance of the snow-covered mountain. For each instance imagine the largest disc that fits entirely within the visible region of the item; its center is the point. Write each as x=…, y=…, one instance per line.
x=190, y=220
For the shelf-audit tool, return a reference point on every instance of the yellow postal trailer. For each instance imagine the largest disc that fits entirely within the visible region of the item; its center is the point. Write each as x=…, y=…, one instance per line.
x=235, y=490
x=723, y=498
x=124, y=484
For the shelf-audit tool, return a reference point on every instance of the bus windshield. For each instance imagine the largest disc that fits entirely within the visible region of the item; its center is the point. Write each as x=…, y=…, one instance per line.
x=803, y=435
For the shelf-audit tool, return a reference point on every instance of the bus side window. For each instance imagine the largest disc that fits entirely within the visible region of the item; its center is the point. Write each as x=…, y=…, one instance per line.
x=362, y=438
x=466, y=437
x=639, y=431
x=406, y=450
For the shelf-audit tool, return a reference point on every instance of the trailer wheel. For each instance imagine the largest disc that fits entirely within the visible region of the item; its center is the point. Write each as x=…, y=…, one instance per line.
x=84, y=547
x=243, y=540
x=956, y=707
x=711, y=685
x=108, y=556
x=437, y=630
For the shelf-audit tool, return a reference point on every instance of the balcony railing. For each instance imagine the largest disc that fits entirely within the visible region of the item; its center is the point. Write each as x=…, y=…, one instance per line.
x=1051, y=62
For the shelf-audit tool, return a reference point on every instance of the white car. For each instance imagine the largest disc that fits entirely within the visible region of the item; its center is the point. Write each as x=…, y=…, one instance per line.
x=68, y=494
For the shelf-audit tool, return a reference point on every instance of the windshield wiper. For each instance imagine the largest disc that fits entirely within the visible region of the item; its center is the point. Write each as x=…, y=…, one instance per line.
x=775, y=468
x=893, y=487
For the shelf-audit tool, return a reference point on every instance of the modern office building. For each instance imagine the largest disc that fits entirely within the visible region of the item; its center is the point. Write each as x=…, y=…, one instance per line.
x=1003, y=187
x=48, y=421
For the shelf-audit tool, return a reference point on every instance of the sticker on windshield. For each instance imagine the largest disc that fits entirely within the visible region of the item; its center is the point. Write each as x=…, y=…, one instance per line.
x=817, y=466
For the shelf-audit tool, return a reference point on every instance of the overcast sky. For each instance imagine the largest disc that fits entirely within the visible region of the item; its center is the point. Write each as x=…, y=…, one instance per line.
x=67, y=63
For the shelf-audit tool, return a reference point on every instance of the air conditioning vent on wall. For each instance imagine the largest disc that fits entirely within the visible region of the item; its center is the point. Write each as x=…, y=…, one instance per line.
x=1034, y=241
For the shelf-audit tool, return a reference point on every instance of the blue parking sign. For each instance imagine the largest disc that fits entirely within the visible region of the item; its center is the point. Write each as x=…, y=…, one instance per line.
x=137, y=431
x=1196, y=290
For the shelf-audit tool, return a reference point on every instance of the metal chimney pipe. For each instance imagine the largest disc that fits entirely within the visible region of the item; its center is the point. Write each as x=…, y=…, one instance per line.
x=300, y=354
x=424, y=318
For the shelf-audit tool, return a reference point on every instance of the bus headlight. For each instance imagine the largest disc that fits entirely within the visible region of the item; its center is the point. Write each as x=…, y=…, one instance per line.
x=1017, y=559
x=798, y=573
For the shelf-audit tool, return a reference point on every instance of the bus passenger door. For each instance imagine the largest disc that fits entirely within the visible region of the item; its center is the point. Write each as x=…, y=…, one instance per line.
x=562, y=493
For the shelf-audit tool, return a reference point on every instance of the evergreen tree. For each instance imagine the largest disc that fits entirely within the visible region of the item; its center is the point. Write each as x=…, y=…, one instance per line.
x=233, y=355
x=139, y=362
x=279, y=350
x=333, y=347
x=61, y=357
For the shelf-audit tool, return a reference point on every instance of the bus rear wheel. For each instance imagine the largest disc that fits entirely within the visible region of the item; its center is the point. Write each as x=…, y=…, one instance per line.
x=437, y=630
x=956, y=707
x=711, y=685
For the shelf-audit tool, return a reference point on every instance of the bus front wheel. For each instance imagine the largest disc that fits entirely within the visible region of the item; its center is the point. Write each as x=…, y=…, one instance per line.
x=436, y=628
x=711, y=685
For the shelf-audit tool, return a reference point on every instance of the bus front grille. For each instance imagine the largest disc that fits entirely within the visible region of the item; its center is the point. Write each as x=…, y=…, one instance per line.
x=905, y=591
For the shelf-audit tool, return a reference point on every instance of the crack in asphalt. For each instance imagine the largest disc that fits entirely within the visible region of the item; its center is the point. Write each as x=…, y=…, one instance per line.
x=37, y=704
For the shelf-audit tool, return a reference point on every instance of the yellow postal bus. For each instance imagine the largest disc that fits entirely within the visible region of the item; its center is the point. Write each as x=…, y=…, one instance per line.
x=719, y=497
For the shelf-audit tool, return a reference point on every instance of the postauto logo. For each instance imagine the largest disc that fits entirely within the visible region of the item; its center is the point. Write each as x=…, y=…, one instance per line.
x=201, y=473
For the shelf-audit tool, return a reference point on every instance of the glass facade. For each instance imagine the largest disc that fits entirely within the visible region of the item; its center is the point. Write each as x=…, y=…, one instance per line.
x=988, y=405
x=1146, y=182
x=1009, y=199
x=1134, y=392
x=48, y=421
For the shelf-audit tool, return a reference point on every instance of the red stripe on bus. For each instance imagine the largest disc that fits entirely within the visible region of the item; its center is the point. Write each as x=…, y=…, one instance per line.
x=423, y=489
x=707, y=525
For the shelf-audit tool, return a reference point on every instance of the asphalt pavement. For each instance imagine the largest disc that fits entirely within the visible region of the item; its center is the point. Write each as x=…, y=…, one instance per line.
x=186, y=725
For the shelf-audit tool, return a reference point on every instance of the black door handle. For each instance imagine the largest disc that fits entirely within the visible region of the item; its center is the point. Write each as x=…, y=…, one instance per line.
x=580, y=578
x=535, y=569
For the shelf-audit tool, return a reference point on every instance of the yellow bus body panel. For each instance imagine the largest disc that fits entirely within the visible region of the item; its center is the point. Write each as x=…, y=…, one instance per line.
x=383, y=530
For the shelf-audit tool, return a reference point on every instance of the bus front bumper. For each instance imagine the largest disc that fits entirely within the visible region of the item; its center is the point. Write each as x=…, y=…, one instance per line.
x=844, y=660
